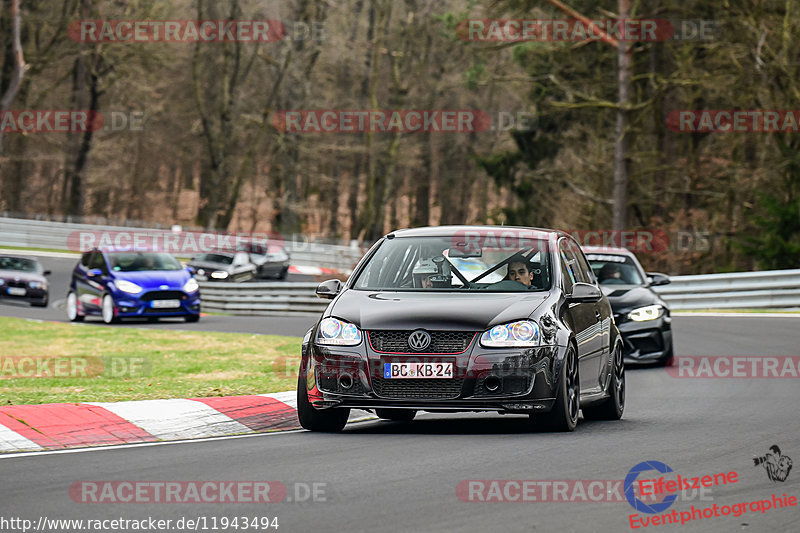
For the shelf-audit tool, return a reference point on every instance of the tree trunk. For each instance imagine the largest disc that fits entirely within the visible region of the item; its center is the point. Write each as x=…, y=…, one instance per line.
x=622, y=139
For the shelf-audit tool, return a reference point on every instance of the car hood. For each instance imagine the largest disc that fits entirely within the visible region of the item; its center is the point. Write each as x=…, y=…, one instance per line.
x=154, y=279
x=23, y=276
x=474, y=311
x=627, y=297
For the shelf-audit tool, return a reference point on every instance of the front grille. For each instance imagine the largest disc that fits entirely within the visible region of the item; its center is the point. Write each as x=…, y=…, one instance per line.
x=417, y=388
x=163, y=295
x=391, y=341
x=16, y=284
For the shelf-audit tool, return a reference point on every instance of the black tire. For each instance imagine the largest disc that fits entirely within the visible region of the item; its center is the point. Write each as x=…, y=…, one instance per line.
x=564, y=414
x=612, y=407
x=72, y=314
x=283, y=273
x=396, y=415
x=192, y=318
x=152, y=319
x=330, y=420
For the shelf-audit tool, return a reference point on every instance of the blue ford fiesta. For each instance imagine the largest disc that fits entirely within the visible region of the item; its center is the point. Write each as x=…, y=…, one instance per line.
x=115, y=284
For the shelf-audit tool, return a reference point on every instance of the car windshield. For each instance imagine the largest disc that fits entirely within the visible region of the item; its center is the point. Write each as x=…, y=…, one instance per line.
x=142, y=261
x=612, y=269
x=19, y=263
x=453, y=264
x=215, y=258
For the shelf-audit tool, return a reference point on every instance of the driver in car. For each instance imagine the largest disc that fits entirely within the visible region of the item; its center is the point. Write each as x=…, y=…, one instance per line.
x=520, y=271
x=610, y=273
x=424, y=272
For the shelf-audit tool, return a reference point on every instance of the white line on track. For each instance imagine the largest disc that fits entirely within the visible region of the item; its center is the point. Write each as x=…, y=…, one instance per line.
x=737, y=315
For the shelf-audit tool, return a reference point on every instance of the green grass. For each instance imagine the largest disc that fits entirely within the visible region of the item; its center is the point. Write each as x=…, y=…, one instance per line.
x=27, y=248
x=97, y=363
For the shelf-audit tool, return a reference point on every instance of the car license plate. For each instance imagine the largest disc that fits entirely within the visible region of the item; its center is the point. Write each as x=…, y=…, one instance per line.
x=418, y=370
x=166, y=304
x=16, y=291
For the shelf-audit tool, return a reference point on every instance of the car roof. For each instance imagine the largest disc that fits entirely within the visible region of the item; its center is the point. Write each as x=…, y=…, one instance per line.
x=447, y=231
x=116, y=249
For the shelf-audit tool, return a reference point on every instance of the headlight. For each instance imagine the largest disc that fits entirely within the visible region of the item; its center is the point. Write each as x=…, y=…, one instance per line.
x=191, y=285
x=649, y=312
x=1, y=281
x=523, y=333
x=338, y=332
x=219, y=274
x=127, y=286
x=36, y=285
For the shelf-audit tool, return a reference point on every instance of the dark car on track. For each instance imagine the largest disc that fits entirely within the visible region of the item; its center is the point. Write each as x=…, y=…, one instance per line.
x=642, y=316
x=23, y=279
x=523, y=329
x=122, y=283
x=271, y=260
x=223, y=265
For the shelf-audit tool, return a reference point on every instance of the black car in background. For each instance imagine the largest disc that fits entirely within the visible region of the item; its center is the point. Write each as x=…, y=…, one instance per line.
x=271, y=260
x=23, y=279
x=464, y=318
x=641, y=315
x=223, y=265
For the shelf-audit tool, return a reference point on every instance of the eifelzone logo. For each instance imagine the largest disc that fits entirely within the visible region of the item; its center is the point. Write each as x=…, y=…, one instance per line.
x=419, y=340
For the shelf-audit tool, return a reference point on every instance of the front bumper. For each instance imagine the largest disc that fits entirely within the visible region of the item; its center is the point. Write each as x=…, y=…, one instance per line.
x=506, y=380
x=31, y=295
x=646, y=342
x=141, y=306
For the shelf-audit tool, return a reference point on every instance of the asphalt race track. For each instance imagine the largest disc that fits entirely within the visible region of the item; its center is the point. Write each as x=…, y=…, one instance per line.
x=391, y=476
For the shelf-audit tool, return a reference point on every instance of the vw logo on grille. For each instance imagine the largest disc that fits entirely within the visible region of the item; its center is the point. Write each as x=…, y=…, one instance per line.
x=419, y=340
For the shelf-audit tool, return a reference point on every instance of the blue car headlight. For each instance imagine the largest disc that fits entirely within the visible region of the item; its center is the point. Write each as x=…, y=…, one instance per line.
x=521, y=334
x=333, y=331
x=649, y=312
x=36, y=285
x=127, y=286
x=191, y=285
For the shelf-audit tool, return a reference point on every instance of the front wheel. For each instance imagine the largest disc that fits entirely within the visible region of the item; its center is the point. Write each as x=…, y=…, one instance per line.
x=564, y=414
x=612, y=407
x=109, y=316
x=396, y=415
x=192, y=318
x=72, y=308
x=327, y=421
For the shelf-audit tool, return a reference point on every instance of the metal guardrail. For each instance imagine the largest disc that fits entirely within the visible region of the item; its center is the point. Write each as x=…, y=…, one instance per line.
x=262, y=299
x=25, y=233
x=739, y=290
x=776, y=289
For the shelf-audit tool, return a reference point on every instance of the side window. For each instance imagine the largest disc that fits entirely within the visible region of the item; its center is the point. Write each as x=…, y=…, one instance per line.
x=568, y=266
x=97, y=261
x=85, y=258
x=587, y=275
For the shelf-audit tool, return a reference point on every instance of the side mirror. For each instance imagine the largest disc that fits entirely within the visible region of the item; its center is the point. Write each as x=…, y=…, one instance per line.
x=93, y=273
x=584, y=293
x=329, y=289
x=657, y=278
x=191, y=270
x=46, y=273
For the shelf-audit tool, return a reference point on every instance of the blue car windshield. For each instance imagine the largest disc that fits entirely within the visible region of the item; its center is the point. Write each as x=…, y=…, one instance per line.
x=142, y=261
x=515, y=264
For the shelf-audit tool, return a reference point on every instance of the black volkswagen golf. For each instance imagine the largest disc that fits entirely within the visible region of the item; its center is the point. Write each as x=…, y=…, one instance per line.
x=464, y=318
